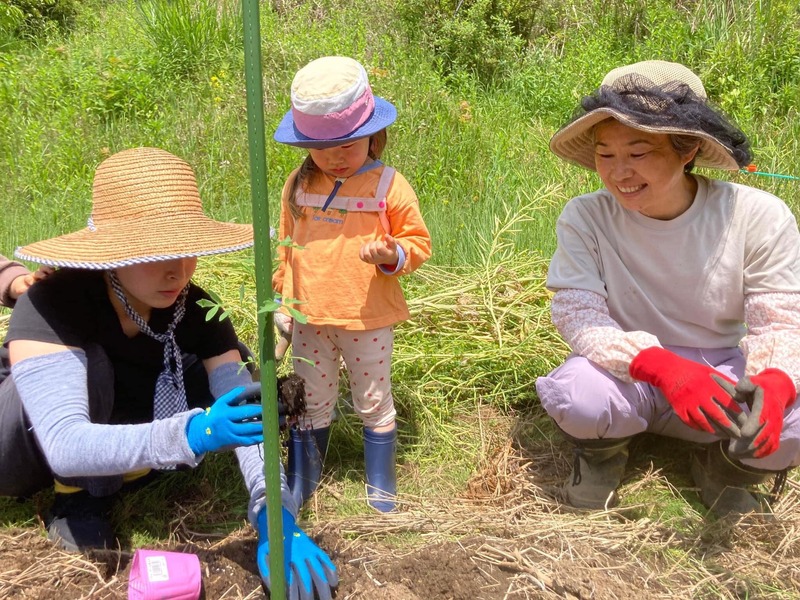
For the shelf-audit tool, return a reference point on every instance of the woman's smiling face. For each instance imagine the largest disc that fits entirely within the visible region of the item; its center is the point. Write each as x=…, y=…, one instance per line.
x=643, y=170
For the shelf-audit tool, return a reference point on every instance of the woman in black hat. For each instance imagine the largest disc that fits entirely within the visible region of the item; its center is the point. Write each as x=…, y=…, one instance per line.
x=677, y=294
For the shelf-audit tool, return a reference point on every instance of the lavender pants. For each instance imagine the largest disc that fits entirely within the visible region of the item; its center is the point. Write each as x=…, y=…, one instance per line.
x=587, y=402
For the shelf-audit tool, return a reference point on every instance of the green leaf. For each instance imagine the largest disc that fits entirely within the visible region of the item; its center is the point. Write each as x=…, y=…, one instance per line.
x=243, y=365
x=269, y=306
x=297, y=315
x=287, y=241
x=293, y=301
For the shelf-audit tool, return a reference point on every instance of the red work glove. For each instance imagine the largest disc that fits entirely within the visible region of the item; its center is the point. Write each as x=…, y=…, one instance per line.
x=768, y=394
x=691, y=388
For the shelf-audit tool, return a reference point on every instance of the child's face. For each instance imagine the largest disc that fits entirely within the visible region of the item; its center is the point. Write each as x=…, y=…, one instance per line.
x=156, y=284
x=341, y=161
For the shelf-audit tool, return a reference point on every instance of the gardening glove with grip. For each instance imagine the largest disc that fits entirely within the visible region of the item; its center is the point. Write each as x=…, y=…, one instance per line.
x=768, y=394
x=692, y=389
x=307, y=567
x=739, y=419
x=285, y=325
x=233, y=420
x=735, y=416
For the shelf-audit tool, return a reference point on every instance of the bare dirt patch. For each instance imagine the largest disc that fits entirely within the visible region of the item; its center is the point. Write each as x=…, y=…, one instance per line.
x=504, y=538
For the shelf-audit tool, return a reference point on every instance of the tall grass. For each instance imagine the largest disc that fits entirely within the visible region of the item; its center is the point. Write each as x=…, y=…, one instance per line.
x=189, y=37
x=473, y=142
x=480, y=88
x=169, y=74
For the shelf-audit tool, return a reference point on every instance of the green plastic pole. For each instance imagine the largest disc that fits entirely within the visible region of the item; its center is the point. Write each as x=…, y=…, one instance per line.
x=263, y=271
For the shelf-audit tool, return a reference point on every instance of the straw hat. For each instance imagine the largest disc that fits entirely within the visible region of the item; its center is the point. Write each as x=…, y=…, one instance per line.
x=658, y=97
x=145, y=208
x=332, y=104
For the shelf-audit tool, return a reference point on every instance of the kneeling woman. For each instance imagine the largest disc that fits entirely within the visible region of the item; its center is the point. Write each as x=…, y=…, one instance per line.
x=679, y=295
x=115, y=371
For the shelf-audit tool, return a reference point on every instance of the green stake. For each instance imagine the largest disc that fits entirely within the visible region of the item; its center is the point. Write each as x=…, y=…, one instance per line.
x=263, y=270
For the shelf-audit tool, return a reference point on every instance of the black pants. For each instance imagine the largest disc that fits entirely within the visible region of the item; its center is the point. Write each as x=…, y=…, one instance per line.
x=23, y=467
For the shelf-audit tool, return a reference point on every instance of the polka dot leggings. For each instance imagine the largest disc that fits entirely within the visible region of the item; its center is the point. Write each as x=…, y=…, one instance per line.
x=368, y=356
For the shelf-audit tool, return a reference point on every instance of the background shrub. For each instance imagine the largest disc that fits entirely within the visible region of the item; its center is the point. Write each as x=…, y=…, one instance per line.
x=31, y=18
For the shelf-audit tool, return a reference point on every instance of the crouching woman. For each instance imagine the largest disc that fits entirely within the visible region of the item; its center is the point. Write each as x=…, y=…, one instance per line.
x=115, y=370
x=678, y=294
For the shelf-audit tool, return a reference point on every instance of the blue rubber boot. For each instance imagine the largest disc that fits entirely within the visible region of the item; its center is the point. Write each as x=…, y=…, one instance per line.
x=380, y=454
x=307, y=449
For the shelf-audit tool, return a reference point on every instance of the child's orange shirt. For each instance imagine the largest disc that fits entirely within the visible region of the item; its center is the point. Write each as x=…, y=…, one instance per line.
x=322, y=268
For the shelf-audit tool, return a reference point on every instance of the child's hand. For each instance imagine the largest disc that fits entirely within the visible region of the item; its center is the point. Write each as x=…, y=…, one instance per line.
x=285, y=325
x=21, y=284
x=380, y=252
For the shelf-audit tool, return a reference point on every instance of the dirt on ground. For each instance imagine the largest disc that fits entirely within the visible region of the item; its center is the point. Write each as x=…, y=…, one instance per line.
x=506, y=537
x=475, y=568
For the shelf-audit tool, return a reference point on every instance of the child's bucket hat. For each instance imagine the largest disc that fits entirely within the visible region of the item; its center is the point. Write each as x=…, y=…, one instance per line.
x=658, y=97
x=332, y=104
x=145, y=208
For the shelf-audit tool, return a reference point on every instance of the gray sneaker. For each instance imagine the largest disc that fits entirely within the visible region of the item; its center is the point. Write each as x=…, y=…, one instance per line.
x=80, y=521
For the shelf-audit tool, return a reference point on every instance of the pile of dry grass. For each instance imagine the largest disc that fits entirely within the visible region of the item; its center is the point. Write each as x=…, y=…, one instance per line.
x=508, y=517
x=483, y=330
x=55, y=569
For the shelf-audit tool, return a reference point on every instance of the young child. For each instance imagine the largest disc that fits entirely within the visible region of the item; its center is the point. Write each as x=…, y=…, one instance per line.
x=115, y=370
x=355, y=227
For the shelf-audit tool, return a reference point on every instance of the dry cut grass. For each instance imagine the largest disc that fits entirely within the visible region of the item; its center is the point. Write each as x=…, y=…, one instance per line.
x=509, y=517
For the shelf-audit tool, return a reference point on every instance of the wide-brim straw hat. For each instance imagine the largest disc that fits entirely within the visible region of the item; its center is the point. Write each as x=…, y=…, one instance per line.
x=145, y=208
x=575, y=141
x=332, y=104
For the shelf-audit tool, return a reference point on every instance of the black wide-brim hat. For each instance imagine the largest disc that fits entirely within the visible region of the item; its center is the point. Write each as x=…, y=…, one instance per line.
x=575, y=141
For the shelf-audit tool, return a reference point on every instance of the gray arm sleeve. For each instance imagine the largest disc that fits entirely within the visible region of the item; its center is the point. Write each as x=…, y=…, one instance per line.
x=54, y=393
x=251, y=462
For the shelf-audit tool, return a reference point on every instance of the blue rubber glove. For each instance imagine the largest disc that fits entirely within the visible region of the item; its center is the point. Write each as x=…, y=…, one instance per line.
x=307, y=567
x=233, y=420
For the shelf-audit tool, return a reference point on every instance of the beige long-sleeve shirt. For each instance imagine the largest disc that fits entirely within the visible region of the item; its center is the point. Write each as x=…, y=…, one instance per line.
x=724, y=273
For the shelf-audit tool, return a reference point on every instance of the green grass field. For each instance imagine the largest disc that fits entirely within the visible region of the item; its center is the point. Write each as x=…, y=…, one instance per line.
x=480, y=87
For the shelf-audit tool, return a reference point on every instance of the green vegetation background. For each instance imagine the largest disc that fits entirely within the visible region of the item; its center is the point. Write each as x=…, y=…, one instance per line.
x=480, y=86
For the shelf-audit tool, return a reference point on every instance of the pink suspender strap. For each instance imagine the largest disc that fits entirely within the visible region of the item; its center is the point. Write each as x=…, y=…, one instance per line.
x=382, y=191
x=354, y=204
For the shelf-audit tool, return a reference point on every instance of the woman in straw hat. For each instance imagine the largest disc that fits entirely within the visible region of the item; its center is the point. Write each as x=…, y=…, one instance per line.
x=677, y=293
x=356, y=227
x=112, y=361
